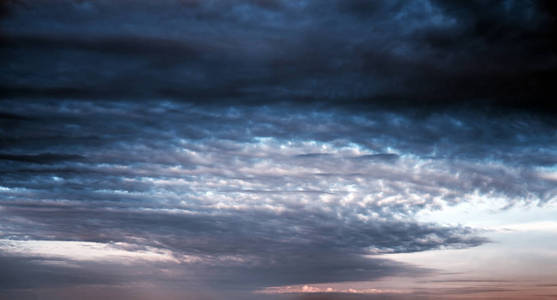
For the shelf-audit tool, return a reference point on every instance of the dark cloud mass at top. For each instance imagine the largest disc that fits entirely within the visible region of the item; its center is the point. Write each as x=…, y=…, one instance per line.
x=264, y=143
x=497, y=53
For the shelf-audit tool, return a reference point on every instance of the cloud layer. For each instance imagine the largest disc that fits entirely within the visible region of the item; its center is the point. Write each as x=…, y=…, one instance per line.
x=258, y=144
x=277, y=193
x=497, y=53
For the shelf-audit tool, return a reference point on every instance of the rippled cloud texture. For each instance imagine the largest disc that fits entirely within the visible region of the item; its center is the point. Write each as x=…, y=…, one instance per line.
x=227, y=149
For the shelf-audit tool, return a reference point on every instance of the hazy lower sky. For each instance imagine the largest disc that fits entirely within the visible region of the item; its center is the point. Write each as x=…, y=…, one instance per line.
x=268, y=149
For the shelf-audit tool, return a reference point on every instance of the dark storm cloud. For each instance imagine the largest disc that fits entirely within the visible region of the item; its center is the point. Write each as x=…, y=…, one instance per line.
x=43, y=158
x=391, y=53
x=33, y=272
x=247, y=250
x=254, y=232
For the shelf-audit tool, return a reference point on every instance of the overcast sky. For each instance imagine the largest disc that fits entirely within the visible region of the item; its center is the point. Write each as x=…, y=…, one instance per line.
x=267, y=149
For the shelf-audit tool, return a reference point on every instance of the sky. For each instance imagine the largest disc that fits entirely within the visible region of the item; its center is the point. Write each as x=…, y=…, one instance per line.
x=278, y=149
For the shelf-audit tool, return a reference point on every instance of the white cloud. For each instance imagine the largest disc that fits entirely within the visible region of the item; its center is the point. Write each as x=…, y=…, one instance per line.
x=87, y=251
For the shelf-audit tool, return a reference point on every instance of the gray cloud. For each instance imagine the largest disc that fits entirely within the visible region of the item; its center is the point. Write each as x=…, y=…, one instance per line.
x=279, y=194
x=349, y=52
x=186, y=126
